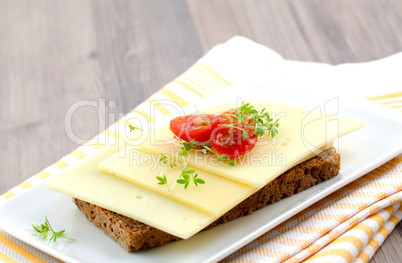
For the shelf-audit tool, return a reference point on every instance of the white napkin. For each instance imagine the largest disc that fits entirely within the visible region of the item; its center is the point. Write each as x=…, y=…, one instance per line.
x=352, y=82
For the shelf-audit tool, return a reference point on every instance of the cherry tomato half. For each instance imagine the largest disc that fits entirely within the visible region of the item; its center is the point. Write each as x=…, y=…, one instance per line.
x=229, y=140
x=194, y=126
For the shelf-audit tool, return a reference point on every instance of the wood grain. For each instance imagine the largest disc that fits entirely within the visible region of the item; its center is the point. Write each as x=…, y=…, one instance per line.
x=322, y=31
x=56, y=53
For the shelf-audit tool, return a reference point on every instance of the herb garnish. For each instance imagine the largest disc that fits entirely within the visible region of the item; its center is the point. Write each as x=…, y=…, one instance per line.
x=223, y=158
x=206, y=147
x=43, y=229
x=133, y=128
x=185, y=146
x=249, y=116
x=187, y=175
x=199, y=116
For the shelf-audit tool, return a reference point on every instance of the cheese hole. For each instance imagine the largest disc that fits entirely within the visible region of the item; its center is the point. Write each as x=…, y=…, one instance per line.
x=284, y=144
x=184, y=219
x=288, y=139
x=140, y=197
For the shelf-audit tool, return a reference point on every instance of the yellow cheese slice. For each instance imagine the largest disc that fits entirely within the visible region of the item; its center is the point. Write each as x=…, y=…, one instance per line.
x=302, y=135
x=216, y=197
x=86, y=182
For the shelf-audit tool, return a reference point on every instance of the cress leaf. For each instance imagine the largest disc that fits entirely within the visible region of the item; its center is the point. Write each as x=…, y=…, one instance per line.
x=181, y=181
x=222, y=157
x=162, y=180
x=231, y=162
x=46, y=227
x=133, y=128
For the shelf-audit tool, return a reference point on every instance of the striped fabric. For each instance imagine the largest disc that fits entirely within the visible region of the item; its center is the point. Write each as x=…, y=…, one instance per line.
x=392, y=101
x=347, y=226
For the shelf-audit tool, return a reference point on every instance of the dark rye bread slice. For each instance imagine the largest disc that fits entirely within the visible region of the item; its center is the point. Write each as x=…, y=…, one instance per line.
x=133, y=235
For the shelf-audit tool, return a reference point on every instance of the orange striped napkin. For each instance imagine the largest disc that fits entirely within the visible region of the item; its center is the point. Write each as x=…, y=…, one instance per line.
x=346, y=226
x=349, y=225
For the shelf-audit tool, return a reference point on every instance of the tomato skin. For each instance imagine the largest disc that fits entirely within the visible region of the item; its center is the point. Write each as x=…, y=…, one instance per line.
x=194, y=127
x=229, y=141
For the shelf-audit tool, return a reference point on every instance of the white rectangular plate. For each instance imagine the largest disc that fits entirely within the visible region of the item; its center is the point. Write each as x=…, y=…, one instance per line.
x=361, y=152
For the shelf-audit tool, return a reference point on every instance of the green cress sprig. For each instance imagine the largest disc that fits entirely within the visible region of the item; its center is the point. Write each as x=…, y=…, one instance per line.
x=206, y=147
x=187, y=175
x=133, y=128
x=166, y=164
x=186, y=146
x=223, y=158
x=261, y=119
x=200, y=117
x=43, y=229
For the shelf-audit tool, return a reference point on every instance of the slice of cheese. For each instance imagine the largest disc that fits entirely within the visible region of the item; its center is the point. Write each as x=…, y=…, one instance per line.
x=86, y=182
x=302, y=135
x=216, y=196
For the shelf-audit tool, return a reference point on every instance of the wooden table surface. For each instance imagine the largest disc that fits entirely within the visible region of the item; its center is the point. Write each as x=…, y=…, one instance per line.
x=55, y=53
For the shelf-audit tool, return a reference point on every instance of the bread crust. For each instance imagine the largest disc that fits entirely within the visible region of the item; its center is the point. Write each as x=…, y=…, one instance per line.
x=133, y=235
